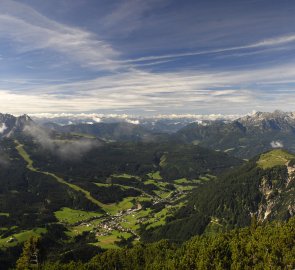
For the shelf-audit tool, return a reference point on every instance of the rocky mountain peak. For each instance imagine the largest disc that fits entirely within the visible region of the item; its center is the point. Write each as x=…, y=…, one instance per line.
x=277, y=120
x=10, y=124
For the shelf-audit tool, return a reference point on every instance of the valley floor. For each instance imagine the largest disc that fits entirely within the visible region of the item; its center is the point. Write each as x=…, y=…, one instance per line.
x=121, y=222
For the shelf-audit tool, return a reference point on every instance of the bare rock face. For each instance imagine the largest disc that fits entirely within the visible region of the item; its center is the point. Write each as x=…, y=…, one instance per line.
x=276, y=120
x=291, y=173
x=291, y=209
x=278, y=196
x=10, y=124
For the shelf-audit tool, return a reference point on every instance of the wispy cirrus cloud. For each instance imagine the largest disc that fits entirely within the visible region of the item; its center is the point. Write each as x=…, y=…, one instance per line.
x=128, y=15
x=143, y=57
x=272, y=42
x=31, y=31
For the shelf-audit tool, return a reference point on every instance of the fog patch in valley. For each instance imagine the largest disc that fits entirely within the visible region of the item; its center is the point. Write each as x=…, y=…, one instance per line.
x=3, y=127
x=4, y=159
x=277, y=144
x=65, y=149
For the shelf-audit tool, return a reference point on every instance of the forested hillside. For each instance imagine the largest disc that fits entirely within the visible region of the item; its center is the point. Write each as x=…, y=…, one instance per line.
x=82, y=194
x=263, y=188
x=76, y=196
x=270, y=246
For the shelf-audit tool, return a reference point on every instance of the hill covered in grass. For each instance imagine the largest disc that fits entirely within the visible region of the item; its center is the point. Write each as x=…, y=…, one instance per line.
x=277, y=157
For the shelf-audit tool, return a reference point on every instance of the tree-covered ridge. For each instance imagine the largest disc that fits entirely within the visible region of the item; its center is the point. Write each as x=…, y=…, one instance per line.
x=174, y=161
x=233, y=198
x=269, y=246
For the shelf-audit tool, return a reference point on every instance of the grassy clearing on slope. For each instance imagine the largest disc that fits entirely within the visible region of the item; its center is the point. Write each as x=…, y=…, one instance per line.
x=132, y=221
x=182, y=181
x=163, y=195
x=117, y=185
x=150, y=182
x=125, y=204
x=143, y=199
x=25, y=156
x=274, y=158
x=102, y=184
x=155, y=175
x=159, y=184
x=108, y=241
x=20, y=237
x=88, y=136
x=83, y=227
x=125, y=175
x=184, y=188
x=158, y=219
x=72, y=216
x=194, y=181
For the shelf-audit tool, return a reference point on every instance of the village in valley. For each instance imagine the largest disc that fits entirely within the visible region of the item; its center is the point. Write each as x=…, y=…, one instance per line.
x=121, y=224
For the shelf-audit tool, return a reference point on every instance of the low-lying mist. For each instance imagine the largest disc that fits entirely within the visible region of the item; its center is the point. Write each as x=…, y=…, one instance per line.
x=65, y=149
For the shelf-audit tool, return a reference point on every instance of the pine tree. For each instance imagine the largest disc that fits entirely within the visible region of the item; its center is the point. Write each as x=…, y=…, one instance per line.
x=29, y=258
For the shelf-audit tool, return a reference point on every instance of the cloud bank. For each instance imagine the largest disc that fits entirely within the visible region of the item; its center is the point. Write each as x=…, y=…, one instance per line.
x=3, y=127
x=65, y=149
x=182, y=92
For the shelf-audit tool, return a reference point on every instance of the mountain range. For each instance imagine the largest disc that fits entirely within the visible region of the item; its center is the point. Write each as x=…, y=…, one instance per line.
x=87, y=187
x=244, y=137
x=10, y=124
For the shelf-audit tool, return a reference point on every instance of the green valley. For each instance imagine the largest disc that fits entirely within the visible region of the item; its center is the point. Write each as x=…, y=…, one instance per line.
x=80, y=196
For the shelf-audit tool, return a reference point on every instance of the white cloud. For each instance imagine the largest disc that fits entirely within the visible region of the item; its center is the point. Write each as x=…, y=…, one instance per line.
x=133, y=121
x=3, y=127
x=276, y=41
x=33, y=31
x=187, y=91
x=277, y=144
x=72, y=149
x=180, y=92
x=273, y=41
x=96, y=119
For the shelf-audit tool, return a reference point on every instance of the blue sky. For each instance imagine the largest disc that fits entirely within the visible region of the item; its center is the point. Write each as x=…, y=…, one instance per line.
x=147, y=56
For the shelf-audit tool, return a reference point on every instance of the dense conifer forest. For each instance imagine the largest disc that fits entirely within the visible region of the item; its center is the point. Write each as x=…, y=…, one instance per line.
x=268, y=246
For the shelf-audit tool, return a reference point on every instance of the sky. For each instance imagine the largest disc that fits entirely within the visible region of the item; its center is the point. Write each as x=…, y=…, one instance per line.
x=147, y=57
